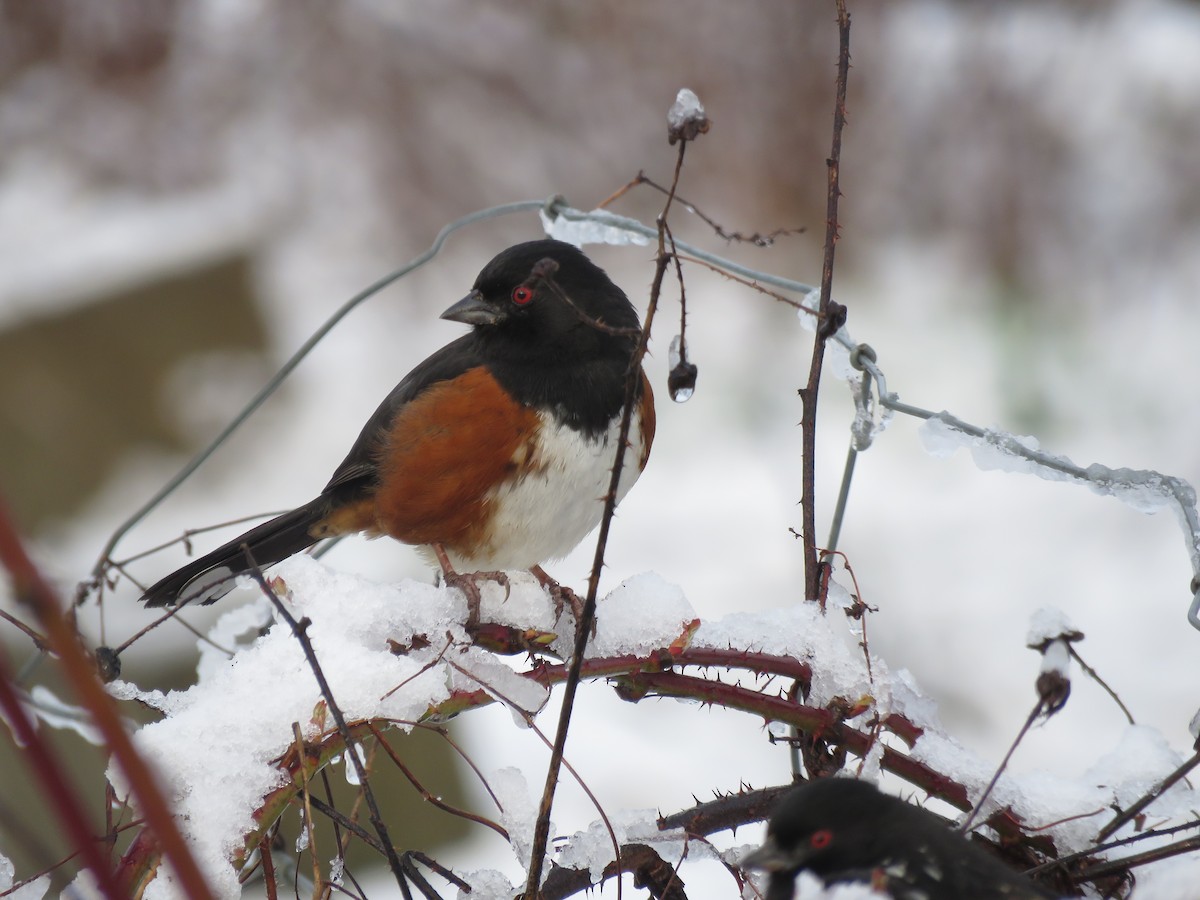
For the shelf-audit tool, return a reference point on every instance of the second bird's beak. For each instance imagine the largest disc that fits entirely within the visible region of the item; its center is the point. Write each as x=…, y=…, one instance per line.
x=769, y=857
x=473, y=310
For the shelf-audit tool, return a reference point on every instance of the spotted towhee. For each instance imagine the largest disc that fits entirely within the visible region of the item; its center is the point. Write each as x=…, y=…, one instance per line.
x=844, y=830
x=494, y=453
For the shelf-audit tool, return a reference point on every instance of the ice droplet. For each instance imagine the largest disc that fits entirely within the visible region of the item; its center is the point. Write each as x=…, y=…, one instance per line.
x=681, y=381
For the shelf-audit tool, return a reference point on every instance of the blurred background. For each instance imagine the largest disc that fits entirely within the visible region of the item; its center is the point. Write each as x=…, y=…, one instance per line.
x=188, y=189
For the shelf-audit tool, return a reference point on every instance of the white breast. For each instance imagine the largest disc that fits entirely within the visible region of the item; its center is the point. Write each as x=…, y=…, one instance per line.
x=544, y=515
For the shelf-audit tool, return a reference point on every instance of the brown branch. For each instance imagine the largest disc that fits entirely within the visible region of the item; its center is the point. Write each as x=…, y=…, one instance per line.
x=831, y=318
x=32, y=590
x=548, y=675
x=268, y=867
x=821, y=723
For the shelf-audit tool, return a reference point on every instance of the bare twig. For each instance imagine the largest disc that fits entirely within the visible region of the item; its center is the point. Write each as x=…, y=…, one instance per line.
x=746, y=282
x=757, y=238
x=965, y=825
x=831, y=320
x=1095, y=676
x=532, y=725
x=268, y=867
x=300, y=630
x=306, y=805
x=1063, y=862
x=38, y=640
x=429, y=797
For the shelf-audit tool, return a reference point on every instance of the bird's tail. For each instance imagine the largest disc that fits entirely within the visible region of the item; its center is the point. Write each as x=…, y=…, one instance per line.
x=212, y=576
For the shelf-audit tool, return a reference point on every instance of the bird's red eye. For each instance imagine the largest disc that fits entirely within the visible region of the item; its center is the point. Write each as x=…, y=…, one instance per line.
x=821, y=839
x=522, y=294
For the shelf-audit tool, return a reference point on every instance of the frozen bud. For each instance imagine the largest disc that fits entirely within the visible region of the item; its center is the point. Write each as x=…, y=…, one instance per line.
x=108, y=664
x=1051, y=635
x=686, y=119
x=1054, y=680
x=681, y=380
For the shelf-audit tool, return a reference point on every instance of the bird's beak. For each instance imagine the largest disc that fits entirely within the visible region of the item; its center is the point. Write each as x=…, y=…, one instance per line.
x=769, y=857
x=473, y=310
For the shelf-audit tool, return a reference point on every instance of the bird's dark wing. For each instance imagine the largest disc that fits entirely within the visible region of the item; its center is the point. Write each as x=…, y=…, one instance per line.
x=361, y=463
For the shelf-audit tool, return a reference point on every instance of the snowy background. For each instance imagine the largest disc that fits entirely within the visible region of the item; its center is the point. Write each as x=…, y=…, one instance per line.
x=1019, y=238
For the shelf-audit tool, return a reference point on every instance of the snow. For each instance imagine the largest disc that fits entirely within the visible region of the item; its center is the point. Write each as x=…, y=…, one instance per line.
x=518, y=811
x=592, y=849
x=1047, y=624
x=686, y=108
x=592, y=230
x=34, y=890
x=43, y=706
x=1140, y=759
x=644, y=613
x=218, y=775
x=1056, y=659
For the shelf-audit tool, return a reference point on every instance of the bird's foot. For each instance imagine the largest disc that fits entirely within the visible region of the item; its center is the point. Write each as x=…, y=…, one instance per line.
x=562, y=596
x=468, y=583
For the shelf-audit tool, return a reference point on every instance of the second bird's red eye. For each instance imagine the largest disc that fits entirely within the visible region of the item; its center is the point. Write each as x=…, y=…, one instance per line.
x=522, y=294
x=821, y=839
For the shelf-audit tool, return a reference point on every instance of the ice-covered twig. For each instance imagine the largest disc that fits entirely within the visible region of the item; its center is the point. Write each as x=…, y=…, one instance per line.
x=1145, y=490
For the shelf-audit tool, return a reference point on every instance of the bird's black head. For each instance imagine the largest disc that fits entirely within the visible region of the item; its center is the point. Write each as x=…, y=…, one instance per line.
x=546, y=300
x=827, y=826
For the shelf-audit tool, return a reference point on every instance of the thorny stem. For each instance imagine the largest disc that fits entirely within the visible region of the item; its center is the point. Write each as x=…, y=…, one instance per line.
x=813, y=721
x=541, y=834
x=826, y=325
